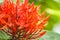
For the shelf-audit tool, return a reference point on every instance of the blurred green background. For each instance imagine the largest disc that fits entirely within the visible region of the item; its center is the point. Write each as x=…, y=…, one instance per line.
x=52, y=8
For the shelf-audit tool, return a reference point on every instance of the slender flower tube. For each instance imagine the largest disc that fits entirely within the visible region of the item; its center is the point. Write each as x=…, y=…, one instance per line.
x=22, y=21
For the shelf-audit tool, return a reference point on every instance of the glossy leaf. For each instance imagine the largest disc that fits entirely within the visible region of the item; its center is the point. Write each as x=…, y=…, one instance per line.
x=50, y=36
x=3, y=36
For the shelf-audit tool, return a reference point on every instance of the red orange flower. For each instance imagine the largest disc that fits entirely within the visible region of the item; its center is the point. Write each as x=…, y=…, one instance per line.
x=21, y=21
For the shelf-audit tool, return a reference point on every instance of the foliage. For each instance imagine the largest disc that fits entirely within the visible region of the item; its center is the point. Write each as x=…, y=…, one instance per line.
x=50, y=36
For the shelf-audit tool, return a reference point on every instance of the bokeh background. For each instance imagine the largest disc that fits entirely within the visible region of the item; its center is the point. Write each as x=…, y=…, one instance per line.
x=52, y=8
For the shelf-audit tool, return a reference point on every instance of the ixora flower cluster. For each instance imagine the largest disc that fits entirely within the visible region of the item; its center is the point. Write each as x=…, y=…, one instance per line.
x=21, y=21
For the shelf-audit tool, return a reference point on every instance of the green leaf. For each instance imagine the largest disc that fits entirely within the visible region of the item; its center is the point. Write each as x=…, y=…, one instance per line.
x=50, y=36
x=3, y=36
x=52, y=4
x=54, y=18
